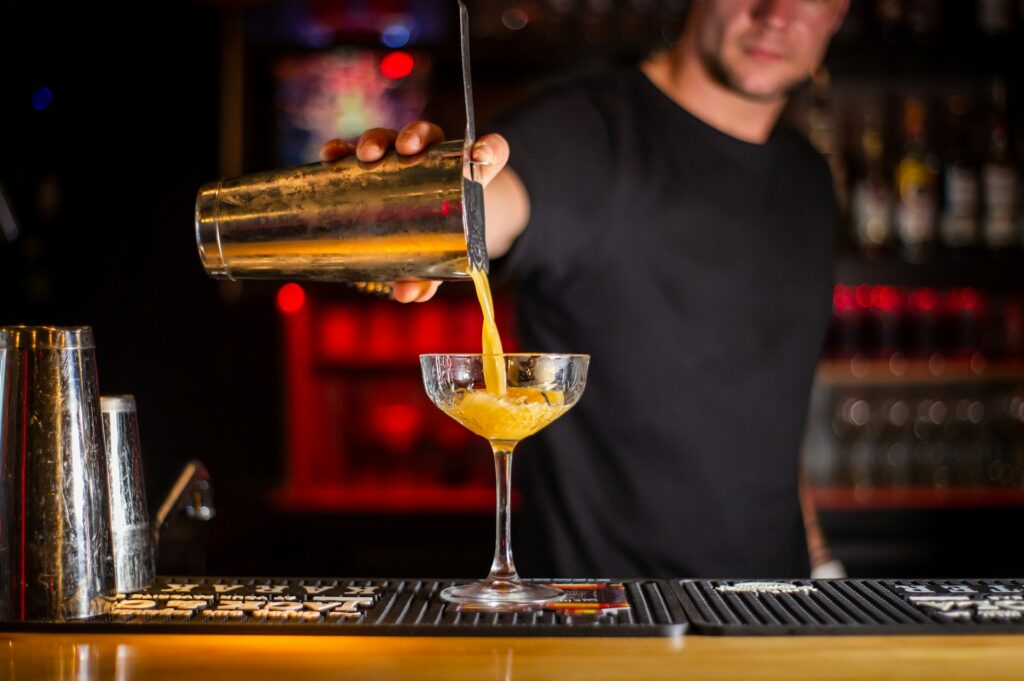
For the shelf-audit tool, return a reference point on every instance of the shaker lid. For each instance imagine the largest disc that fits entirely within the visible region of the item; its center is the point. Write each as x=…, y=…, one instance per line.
x=46, y=337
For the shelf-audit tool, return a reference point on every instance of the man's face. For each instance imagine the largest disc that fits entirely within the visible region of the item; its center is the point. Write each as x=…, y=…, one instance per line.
x=762, y=49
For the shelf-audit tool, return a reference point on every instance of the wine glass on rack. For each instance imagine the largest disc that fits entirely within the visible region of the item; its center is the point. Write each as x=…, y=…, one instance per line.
x=538, y=388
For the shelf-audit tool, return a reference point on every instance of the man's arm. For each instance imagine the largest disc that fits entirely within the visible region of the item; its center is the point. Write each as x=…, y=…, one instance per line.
x=506, y=202
x=506, y=211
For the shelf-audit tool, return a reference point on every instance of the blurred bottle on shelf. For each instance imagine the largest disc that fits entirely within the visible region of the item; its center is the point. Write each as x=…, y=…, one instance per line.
x=850, y=422
x=995, y=17
x=872, y=196
x=959, y=222
x=1000, y=180
x=930, y=467
x=961, y=324
x=888, y=308
x=892, y=452
x=962, y=336
x=969, y=443
x=924, y=315
x=915, y=186
x=943, y=437
x=890, y=17
x=821, y=131
x=924, y=19
x=847, y=330
x=596, y=21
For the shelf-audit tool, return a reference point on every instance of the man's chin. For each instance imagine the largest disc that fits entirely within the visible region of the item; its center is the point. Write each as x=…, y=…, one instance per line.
x=756, y=88
x=764, y=92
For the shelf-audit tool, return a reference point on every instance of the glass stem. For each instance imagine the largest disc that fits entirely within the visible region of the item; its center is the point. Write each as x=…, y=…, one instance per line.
x=503, y=568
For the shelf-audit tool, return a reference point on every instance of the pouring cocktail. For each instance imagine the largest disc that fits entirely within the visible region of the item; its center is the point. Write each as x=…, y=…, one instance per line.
x=538, y=388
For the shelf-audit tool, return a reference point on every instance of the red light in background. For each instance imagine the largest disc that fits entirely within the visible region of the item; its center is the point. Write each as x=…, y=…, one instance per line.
x=923, y=300
x=398, y=424
x=886, y=298
x=504, y=312
x=397, y=65
x=428, y=328
x=842, y=298
x=386, y=341
x=339, y=333
x=863, y=296
x=468, y=327
x=954, y=301
x=290, y=298
x=451, y=435
x=970, y=299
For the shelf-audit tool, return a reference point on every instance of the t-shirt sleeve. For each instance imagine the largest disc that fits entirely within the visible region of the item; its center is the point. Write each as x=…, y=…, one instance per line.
x=559, y=146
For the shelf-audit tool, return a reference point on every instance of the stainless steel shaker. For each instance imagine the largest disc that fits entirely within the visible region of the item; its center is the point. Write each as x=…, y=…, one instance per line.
x=345, y=220
x=55, y=553
x=133, y=537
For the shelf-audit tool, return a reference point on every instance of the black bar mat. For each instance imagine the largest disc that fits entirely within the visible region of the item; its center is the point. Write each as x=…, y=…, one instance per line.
x=375, y=607
x=852, y=606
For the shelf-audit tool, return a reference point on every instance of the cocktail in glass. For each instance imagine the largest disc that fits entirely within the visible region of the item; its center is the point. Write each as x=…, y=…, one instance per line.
x=538, y=388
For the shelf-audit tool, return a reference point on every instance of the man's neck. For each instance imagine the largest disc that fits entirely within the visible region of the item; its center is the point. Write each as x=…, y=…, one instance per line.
x=684, y=78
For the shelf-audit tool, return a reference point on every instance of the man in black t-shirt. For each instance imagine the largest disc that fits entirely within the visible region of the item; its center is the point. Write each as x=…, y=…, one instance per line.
x=660, y=219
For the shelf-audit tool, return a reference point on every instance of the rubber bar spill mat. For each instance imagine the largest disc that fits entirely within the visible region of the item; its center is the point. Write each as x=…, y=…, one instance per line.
x=377, y=607
x=852, y=606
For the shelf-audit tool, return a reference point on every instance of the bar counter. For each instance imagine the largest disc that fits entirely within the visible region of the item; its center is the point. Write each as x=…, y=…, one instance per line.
x=82, y=657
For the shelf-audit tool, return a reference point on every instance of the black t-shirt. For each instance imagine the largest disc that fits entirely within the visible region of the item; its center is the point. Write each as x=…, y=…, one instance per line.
x=696, y=270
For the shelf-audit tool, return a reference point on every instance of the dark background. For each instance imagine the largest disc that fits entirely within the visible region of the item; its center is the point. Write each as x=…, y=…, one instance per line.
x=103, y=181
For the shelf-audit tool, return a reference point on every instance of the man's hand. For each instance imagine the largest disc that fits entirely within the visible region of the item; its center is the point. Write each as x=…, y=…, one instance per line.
x=490, y=151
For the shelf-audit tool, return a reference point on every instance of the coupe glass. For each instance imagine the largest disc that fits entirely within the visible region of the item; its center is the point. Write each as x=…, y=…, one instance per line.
x=539, y=388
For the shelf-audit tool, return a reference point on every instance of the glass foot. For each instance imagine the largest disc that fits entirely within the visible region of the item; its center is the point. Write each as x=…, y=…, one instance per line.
x=501, y=594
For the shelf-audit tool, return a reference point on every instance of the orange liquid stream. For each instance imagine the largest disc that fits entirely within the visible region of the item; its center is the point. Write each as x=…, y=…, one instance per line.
x=500, y=413
x=494, y=364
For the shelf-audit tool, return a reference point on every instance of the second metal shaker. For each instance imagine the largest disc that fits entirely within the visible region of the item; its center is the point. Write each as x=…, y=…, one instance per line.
x=134, y=538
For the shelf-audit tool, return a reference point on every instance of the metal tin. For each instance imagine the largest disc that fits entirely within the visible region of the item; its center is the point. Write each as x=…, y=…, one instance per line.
x=55, y=552
x=134, y=538
x=130, y=532
x=345, y=220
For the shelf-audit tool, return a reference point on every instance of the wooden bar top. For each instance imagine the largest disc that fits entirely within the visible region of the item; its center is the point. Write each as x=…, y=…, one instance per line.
x=78, y=657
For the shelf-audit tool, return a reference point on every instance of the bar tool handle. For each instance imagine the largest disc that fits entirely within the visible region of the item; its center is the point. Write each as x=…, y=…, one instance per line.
x=191, y=493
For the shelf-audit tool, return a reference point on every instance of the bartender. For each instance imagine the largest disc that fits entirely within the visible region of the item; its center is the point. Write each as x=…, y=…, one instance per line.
x=659, y=217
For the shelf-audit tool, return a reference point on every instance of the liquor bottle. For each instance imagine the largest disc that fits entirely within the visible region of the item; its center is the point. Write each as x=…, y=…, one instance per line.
x=923, y=19
x=995, y=17
x=892, y=456
x=861, y=445
x=968, y=443
x=1000, y=180
x=959, y=223
x=930, y=467
x=821, y=131
x=915, y=186
x=890, y=15
x=872, y=199
x=852, y=463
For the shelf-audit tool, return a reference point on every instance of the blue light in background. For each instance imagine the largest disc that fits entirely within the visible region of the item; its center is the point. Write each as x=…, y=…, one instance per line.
x=395, y=35
x=42, y=98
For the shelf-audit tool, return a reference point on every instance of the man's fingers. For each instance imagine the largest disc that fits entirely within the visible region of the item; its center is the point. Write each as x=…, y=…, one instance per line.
x=405, y=291
x=427, y=292
x=414, y=291
x=335, y=149
x=374, y=143
x=490, y=153
x=416, y=137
